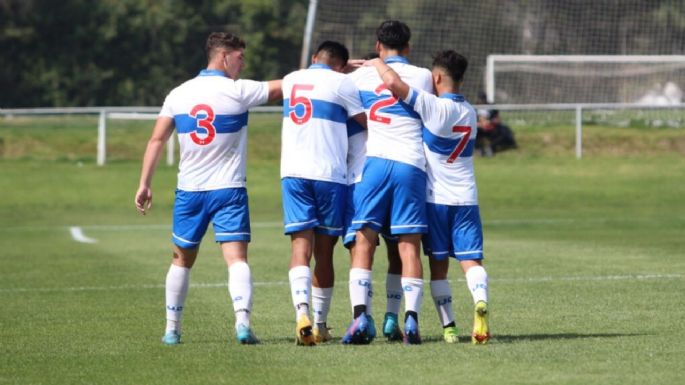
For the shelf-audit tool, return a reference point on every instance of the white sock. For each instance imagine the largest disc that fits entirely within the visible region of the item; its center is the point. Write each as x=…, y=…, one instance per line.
x=477, y=282
x=442, y=297
x=321, y=303
x=360, y=288
x=240, y=290
x=300, y=286
x=393, y=289
x=413, y=293
x=176, y=288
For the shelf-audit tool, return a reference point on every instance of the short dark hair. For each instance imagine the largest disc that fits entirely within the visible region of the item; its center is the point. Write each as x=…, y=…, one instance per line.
x=393, y=34
x=454, y=63
x=225, y=40
x=334, y=50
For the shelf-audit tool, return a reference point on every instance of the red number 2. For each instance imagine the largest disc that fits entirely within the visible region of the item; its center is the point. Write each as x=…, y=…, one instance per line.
x=303, y=100
x=205, y=123
x=462, y=142
x=384, y=102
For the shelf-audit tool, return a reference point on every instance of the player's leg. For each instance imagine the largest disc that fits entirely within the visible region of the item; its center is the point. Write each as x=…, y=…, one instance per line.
x=240, y=288
x=393, y=290
x=360, y=278
x=190, y=221
x=231, y=221
x=437, y=244
x=322, y=284
x=468, y=246
x=412, y=285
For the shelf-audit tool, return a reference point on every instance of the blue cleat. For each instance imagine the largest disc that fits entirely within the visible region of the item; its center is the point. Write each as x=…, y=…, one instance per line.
x=411, y=332
x=172, y=337
x=245, y=336
x=391, y=328
x=371, y=329
x=357, y=333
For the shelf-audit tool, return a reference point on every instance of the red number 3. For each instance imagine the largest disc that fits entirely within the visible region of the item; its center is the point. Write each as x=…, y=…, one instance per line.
x=303, y=100
x=462, y=142
x=384, y=102
x=205, y=123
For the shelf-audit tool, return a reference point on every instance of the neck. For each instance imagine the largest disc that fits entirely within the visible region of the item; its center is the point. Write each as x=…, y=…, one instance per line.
x=216, y=65
x=385, y=53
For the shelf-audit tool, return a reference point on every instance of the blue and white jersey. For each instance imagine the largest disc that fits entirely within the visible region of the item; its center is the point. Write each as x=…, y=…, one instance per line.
x=356, y=151
x=394, y=127
x=449, y=138
x=210, y=114
x=317, y=103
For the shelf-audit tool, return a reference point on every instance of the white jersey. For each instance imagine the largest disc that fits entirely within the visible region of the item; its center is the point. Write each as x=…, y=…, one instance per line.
x=449, y=138
x=210, y=114
x=356, y=151
x=317, y=103
x=394, y=128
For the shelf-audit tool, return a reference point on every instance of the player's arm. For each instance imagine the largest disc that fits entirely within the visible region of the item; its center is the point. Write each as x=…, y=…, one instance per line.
x=275, y=90
x=391, y=79
x=161, y=133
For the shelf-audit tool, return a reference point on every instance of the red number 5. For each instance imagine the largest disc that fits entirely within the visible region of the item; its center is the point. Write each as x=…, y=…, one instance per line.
x=462, y=142
x=303, y=100
x=205, y=123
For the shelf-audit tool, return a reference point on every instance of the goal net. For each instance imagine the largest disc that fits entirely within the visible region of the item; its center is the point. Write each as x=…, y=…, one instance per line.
x=478, y=29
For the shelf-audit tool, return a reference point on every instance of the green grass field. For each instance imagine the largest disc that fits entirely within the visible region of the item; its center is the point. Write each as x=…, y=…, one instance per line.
x=586, y=261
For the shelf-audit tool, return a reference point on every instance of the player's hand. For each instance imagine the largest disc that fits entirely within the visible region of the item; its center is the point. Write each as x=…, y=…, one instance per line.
x=372, y=62
x=352, y=65
x=143, y=200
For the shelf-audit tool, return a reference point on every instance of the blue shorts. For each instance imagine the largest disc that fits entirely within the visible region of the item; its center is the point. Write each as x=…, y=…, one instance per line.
x=313, y=204
x=391, y=194
x=226, y=208
x=453, y=231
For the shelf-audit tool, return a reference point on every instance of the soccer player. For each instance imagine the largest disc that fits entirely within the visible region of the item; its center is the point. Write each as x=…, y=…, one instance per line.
x=210, y=114
x=318, y=102
x=391, y=193
x=453, y=214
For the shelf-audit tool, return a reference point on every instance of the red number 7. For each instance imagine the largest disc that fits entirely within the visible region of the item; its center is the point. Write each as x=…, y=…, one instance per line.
x=462, y=142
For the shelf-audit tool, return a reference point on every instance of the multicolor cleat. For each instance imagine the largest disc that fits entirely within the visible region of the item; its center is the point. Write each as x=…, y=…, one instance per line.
x=371, y=329
x=481, y=332
x=172, y=337
x=321, y=334
x=245, y=336
x=303, y=331
x=411, y=332
x=357, y=333
x=450, y=334
x=391, y=328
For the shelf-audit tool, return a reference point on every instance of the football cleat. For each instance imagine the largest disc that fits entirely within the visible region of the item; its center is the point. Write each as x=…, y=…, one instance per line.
x=321, y=334
x=245, y=336
x=450, y=334
x=172, y=337
x=303, y=331
x=357, y=333
x=481, y=332
x=411, y=332
x=391, y=328
x=371, y=329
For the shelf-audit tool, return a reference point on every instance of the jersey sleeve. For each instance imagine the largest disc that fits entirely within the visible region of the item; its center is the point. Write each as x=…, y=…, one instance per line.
x=427, y=81
x=349, y=93
x=166, y=107
x=427, y=105
x=253, y=93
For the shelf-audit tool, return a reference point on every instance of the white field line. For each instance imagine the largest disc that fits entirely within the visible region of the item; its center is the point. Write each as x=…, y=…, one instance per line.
x=629, y=277
x=79, y=236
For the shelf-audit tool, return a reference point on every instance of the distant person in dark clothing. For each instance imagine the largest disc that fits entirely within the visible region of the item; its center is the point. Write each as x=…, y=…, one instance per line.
x=493, y=135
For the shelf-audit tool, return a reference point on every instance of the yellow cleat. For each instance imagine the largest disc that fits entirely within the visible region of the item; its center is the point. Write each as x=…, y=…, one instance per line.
x=303, y=331
x=481, y=333
x=451, y=335
x=321, y=334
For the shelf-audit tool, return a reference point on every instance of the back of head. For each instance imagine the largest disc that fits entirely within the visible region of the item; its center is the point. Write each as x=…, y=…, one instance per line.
x=218, y=41
x=332, y=53
x=393, y=34
x=453, y=63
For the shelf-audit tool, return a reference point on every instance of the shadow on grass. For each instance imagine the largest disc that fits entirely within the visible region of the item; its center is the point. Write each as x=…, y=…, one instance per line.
x=508, y=339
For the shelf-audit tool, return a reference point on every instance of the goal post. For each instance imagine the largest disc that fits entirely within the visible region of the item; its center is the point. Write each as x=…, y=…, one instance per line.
x=646, y=79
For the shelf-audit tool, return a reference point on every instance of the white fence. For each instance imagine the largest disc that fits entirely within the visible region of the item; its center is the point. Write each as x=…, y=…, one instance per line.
x=150, y=113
